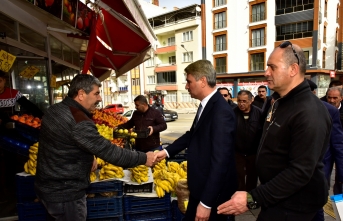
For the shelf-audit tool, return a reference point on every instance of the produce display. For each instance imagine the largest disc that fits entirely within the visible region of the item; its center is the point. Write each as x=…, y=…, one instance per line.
x=109, y=171
x=139, y=174
x=29, y=120
x=108, y=118
x=30, y=165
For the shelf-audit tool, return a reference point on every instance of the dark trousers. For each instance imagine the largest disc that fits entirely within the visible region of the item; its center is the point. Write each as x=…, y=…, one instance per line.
x=192, y=210
x=73, y=210
x=246, y=172
x=281, y=214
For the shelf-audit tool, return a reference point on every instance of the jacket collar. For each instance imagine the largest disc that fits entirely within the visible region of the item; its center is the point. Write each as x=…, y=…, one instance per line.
x=72, y=103
x=302, y=87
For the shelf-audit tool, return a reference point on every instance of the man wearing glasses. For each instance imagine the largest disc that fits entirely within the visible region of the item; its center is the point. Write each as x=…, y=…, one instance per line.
x=294, y=140
x=227, y=96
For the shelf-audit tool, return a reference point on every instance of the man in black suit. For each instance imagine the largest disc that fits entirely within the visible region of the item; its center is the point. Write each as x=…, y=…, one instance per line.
x=211, y=166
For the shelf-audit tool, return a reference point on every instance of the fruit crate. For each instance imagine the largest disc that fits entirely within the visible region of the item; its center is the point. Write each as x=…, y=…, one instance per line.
x=14, y=146
x=133, y=204
x=158, y=215
x=177, y=214
x=106, y=186
x=143, y=188
x=103, y=207
x=27, y=131
x=25, y=189
x=142, y=133
x=118, y=218
x=31, y=211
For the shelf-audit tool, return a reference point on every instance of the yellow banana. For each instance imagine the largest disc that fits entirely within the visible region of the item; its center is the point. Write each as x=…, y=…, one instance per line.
x=31, y=163
x=32, y=171
x=33, y=156
x=110, y=173
x=33, y=151
x=36, y=144
x=26, y=169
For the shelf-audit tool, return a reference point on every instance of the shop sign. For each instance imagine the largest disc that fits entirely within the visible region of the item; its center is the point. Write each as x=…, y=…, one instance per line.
x=29, y=72
x=252, y=87
x=53, y=81
x=332, y=74
x=6, y=60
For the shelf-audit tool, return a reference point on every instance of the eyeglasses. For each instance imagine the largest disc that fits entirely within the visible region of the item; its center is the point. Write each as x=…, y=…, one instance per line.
x=225, y=95
x=286, y=44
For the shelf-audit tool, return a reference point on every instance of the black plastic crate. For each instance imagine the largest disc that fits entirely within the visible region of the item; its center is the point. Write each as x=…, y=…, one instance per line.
x=133, y=204
x=143, y=188
x=104, y=207
x=106, y=186
x=30, y=132
x=25, y=189
x=142, y=133
x=177, y=214
x=118, y=218
x=164, y=215
x=31, y=212
x=14, y=146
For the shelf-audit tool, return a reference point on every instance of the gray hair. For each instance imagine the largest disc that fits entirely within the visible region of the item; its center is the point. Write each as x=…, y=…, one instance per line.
x=339, y=89
x=82, y=82
x=290, y=57
x=202, y=68
x=246, y=92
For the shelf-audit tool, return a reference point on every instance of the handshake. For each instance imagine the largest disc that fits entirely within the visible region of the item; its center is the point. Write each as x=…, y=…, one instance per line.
x=153, y=158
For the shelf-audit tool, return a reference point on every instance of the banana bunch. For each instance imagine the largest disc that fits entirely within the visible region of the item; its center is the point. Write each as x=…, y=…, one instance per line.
x=110, y=171
x=165, y=182
x=93, y=176
x=100, y=162
x=173, y=167
x=139, y=174
x=182, y=173
x=31, y=164
x=160, y=166
x=183, y=165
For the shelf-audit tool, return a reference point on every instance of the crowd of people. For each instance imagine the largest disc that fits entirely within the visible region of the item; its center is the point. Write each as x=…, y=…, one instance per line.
x=289, y=141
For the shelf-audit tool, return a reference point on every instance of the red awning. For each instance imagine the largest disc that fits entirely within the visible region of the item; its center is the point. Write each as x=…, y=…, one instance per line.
x=120, y=38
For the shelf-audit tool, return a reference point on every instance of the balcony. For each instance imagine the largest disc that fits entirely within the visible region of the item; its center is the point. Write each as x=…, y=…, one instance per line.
x=282, y=11
x=294, y=36
x=165, y=67
x=166, y=49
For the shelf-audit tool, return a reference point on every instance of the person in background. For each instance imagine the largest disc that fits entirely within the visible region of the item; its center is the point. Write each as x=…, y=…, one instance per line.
x=334, y=96
x=248, y=135
x=210, y=144
x=68, y=142
x=295, y=137
x=334, y=83
x=334, y=152
x=261, y=96
x=146, y=117
x=227, y=96
x=158, y=106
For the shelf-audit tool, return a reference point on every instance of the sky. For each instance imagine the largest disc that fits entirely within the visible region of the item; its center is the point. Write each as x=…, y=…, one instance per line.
x=177, y=3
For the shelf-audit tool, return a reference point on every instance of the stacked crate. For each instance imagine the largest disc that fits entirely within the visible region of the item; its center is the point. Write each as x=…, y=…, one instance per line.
x=28, y=206
x=104, y=201
x=147, y=208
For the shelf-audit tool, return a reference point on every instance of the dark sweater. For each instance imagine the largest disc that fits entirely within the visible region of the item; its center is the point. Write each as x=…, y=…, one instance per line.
x=67, y=144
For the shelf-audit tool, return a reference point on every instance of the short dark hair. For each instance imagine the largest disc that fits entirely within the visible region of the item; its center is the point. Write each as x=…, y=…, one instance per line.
x=141, y=99
x=262, y=86
x=82, y=82
x=3, y=74
x=335, y=83
x=241, y=92
x=223, y=88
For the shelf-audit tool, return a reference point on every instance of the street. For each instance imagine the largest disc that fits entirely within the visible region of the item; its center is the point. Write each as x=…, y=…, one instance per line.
x=177, y=128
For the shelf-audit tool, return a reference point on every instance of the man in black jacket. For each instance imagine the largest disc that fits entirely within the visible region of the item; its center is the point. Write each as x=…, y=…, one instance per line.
x=296, y=133
x=227, y=96
x=261, y=96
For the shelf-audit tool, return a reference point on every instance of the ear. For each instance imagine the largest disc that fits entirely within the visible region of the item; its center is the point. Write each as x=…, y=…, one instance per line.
x=294, y=69
x=203, y=81
x=80, y=95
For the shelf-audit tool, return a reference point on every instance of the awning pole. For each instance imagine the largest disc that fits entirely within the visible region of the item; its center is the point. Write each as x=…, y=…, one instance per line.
x=91, y=44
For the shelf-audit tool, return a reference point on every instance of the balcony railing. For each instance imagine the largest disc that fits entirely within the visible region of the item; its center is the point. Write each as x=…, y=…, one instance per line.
x=221, y=68
x=294, y=36
x=220, y=47
x=257, y=66
x=258, y=17
x=220, y=24
x=294, y=9
x=219, y=3
x=258, y=42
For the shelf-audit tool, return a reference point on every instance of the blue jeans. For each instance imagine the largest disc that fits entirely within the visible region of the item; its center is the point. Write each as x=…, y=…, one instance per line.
x=73, y=210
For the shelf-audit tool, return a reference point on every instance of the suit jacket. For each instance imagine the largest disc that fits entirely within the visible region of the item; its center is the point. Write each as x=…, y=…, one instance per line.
x=211, y=164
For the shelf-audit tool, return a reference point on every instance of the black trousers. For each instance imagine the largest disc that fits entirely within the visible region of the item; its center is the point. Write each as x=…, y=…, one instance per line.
x=246, y=172
x=192, y=209
x=281, y=214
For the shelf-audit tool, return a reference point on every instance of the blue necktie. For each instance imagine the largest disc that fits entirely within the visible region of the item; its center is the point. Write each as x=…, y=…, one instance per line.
x=197, y=116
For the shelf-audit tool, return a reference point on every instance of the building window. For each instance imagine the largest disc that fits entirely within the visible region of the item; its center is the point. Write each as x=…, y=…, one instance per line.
x=188, y=36
x=325, y=9
x=220, y=20
x=150, y=62
x=133, y=82
x=324, y=37
x=221, y=65
x=257, y=62
x=186, y=97
x=188, y=56
x=171, y=97
x=307, y=56
x=324, y=58
x=221, y=43
x=172, y=60
x=257, y=37
x=151, y=79
x=166, y=77
x=258, y=12
x=219, y=2
x=294, y=30
x=171, y=41
x=290, y=6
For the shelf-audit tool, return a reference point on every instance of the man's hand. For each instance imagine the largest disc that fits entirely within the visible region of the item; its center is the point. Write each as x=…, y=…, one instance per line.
x=160, y=155
x=95, y=165
x=151, y=130
x=236, y=205
x=150, y=159
x=203, y=214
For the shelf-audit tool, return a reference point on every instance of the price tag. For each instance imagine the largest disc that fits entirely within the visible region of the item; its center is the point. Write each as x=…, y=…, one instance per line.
x=29, y=72
x=6, y=60
x=53, y=81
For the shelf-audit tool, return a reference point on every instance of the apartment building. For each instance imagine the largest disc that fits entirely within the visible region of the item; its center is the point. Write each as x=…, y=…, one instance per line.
x=241, y=35
x=178, y=34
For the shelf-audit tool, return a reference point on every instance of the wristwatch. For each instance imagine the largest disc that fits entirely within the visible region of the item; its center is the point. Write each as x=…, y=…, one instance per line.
x=251, y=203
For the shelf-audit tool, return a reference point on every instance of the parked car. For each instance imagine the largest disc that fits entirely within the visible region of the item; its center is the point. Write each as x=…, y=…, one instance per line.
x=169, y=115
x=117, y=108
